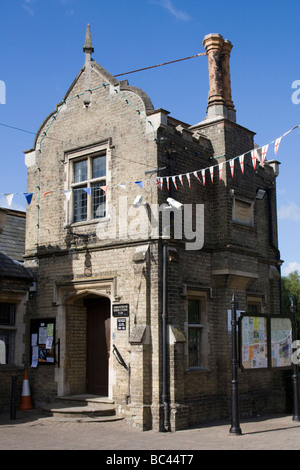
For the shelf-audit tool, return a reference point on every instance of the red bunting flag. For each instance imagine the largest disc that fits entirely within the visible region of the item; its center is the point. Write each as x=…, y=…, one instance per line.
x=264, y=152
x=277, y=142
x=104, y=188
x=241, y=159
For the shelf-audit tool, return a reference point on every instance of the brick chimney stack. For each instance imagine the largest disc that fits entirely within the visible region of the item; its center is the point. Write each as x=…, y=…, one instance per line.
x=219, y=99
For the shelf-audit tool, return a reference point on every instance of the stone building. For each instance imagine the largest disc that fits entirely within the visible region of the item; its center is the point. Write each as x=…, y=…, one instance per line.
x=134, y=291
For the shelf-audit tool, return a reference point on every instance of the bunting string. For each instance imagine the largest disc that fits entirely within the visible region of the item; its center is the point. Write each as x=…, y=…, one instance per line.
x=199, y=174
x=241, y=158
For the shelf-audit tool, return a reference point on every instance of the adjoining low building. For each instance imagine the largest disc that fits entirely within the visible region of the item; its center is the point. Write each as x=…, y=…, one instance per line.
x=15, y=284
x=133, y=294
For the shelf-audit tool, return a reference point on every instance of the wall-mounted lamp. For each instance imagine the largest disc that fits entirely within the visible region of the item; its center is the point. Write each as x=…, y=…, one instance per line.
x=174, y=204
x=260, y=193
x=138, y=201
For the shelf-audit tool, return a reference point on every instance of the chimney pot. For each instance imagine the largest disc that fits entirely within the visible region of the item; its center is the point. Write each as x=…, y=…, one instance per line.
x=219, y=98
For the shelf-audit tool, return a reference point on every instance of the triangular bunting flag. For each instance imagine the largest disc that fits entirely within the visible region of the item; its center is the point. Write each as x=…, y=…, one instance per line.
x=203, y=176
x=220, y=170
x=189, y=179
x=241, y=159
x=254, y=157
x=123, y=186
x=277, y=142
x=168, y=183
x=174, y=181
x=47, y=192
x=28, y=197
x=159, y=182
x=139, y=183
x=196, y=175
x=87, y=190
x=180, y=177
x=9, y=198
x=264, y=152
x=104, y=188
x=231, y=163
x=211, y=173
x=68, y=194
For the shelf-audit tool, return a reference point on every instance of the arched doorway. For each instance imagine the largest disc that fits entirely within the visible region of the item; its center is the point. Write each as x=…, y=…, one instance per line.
x=98, y=344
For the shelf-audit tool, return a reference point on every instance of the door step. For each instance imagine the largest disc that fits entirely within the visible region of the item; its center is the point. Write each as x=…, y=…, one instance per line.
x=82, y=408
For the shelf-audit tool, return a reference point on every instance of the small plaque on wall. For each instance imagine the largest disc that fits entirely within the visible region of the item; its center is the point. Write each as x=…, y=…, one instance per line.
x=121, y=310
x=121, y=324
x=242, y=212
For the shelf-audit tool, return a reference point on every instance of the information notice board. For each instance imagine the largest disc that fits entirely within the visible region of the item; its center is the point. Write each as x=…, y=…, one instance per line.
x=42, y=341
x=265, y=341
x=281, y=342
x=254, y=339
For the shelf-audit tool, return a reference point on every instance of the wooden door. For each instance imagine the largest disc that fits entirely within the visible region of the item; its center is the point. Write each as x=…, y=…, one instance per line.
x=98, y=345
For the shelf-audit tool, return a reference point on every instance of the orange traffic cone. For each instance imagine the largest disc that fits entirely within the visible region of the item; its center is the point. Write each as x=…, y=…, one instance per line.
x=26, y=403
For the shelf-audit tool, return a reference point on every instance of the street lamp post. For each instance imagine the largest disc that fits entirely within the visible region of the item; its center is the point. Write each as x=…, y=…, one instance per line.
x=295, y=377
x=235, y=419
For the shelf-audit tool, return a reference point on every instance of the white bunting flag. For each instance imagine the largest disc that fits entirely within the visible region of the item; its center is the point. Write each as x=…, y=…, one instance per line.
x=9, y=198
x=189, y=179
x=68, y=194
x=180, y=177
x=264, y=152
x=241, y=159
x=277, y=142
x=211, y=173
x=174, y=181
x=231, y=163
x=196, y=175
x=220, y=170
x=203, y=176
x=254, y=156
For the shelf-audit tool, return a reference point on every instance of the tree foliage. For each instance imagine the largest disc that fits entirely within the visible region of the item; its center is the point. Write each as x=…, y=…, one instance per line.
x=291, y=289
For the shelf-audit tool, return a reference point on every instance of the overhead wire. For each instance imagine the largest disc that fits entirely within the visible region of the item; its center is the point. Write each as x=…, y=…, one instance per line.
x=160, y=65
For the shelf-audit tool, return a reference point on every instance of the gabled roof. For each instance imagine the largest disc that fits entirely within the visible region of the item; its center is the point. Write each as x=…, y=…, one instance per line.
x=107, y=77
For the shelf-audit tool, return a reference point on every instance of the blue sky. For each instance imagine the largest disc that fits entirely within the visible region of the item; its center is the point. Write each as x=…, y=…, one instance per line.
x=41, y=53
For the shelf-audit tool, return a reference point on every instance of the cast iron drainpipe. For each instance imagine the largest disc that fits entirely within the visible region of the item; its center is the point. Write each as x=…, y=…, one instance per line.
x=165, y=398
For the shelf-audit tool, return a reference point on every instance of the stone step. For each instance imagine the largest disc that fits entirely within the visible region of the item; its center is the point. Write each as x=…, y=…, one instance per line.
x=82, y=406
x=85, y=399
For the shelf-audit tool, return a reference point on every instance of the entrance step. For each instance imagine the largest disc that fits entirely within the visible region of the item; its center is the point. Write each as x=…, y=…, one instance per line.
x=82, y=407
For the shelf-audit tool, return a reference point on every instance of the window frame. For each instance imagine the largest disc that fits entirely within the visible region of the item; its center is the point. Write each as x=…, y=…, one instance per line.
x=256, y=304
x=201, y=327
x=89, y=154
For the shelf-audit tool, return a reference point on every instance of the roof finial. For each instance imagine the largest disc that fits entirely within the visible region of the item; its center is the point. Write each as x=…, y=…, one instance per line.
x=88, y=41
